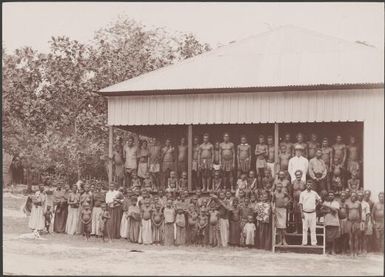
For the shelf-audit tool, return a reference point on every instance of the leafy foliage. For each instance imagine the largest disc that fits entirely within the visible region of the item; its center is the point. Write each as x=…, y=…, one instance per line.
x=51, y=113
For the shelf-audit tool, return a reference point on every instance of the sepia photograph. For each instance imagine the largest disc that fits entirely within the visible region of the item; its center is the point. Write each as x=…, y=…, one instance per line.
x=193, y=138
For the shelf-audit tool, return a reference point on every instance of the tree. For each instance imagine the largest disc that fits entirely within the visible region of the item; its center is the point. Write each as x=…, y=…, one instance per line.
x=51, y=113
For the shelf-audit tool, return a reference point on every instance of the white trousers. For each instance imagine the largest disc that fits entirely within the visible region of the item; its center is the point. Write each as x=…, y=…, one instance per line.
x=309, y=222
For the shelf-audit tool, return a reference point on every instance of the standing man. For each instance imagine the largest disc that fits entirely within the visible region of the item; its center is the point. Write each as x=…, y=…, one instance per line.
x=118, y=165
x=205, y=161
x=130, y=157
x=270, y=162
x=227, y=158
x=318, y=172
x=378, y=222
x=353, y=156
x=312, y=146
x=154, y=161
x=308, y=201
x=182, y=157
x=195, y=173
x=300, y=141
x=289, y=145
x=298, y=162
x=332, y=222
x=243, y=156
x=168, y=161
x=327, y=157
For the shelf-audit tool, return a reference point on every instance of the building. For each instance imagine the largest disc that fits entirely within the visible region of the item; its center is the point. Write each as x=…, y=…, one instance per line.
x=286, y=80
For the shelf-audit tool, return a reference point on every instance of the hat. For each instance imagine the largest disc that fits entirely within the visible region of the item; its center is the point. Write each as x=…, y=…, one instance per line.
x=298, y=147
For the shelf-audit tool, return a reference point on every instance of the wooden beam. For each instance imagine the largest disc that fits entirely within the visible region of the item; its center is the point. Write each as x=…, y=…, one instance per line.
x=276, y=145
x=189, y=156
x=110, y=144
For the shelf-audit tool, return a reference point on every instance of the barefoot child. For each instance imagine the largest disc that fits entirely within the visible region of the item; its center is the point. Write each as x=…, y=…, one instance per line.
x=235, y=224
x=280, y=201
x=157, y=224
x=86, y=217
x=249, y=231
x=241, y=184
x=48, y=217
x=192, y=224
x=172, y=182
x=103, y=221
x=180, y=226
x=169, y=219
x=214, y=235
x=217, y=182
x=202, y=237
x=183, y=182
x=145, y=236
x=354, y=182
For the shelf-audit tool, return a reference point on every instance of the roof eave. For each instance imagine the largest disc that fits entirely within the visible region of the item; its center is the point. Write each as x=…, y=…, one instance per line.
x=241, y=89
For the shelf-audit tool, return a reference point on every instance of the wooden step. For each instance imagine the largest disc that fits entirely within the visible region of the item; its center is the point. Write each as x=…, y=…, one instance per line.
x=308, y=249
x=300, y=235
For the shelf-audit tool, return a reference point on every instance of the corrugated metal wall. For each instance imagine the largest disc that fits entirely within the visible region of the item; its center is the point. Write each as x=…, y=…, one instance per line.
x=281, y=107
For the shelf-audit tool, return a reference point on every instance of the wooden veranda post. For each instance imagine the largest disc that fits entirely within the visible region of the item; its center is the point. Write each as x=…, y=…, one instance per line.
x=110, y=144
x=189, y=156
x=276, y=146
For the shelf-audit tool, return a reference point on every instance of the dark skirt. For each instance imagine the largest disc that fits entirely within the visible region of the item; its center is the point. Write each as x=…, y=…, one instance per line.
x=235, y=233
x=113, y=224
x=133, y=230
x=332, y=233
x=60, y=220
x=169, y=234
x=264, y=236
x=180, y=238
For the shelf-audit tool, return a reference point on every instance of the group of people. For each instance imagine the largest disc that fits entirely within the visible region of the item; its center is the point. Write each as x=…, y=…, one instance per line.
x=335, y=167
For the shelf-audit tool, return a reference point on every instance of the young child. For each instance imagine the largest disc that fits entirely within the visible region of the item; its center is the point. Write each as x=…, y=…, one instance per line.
x=103, y=223
x=235, y=224
x=217, y=182
x=169, y=219
x=251, y=182
x=244, y=213
x=192, y=224
x=354, y=182
x=183, y=182
x=47, y=218
x=125, y=218
x=249, y=231
x=263, y=212
x=86, y=217
x=180, y=226
x=135, y=220
x=157, y=224
x=145, y=236
x=267, y=182
x=241, y=184
x=337, y=180
x=172, y=182
x=148, y=184
x=280, y=201
x=214, y=235
x=136, y=184
x=202, y=237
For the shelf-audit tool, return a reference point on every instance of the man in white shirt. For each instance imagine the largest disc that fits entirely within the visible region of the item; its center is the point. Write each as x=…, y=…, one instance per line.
x=298, y=162
x=308, y=201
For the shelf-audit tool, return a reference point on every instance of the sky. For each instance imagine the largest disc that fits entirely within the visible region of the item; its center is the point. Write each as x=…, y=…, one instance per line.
x=33, y=24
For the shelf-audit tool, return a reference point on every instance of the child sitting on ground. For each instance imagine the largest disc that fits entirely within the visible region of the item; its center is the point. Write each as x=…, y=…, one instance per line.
x=354, y=182
x=217, y=181
x=148, y=184
x=251, y=182
x=241, y=184
x=202, y=227
x=183, y=182
x=135, y=181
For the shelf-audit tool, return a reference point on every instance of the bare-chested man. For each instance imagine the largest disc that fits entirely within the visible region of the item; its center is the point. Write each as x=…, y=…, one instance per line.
x=168, y=161
x=205, y=161
x=378, y=221
x=289, y=145
x=270, y=161
x=130, y=152
x=260, y=155
x=354, y=221
x=217, y=160
x=312, y=146
x=182, y=157
x=195, y=172
x=243, y=156
x=327, y=157
x=339, y=152
x=154, y=161
x=353, y=156
x=227, y=157
x=301, y=141
x=284, y=157
x=344, y=232
x=118, y=164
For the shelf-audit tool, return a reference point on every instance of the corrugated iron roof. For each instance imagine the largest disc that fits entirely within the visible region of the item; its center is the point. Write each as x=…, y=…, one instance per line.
x=286, y=56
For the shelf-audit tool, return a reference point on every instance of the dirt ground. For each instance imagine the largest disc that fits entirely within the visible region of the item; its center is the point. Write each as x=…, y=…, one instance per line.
x=72, y=255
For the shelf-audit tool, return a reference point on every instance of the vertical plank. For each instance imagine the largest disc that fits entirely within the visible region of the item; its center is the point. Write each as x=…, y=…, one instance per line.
x=110, y=140
x=189, y=156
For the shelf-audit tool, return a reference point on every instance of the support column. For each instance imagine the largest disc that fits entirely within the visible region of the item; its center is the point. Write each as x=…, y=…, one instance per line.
x=276, y=145
x=189, y=156
x=110, y=143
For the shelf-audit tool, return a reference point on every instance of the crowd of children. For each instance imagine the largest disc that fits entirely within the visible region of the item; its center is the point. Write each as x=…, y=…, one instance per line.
x=150, y=202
